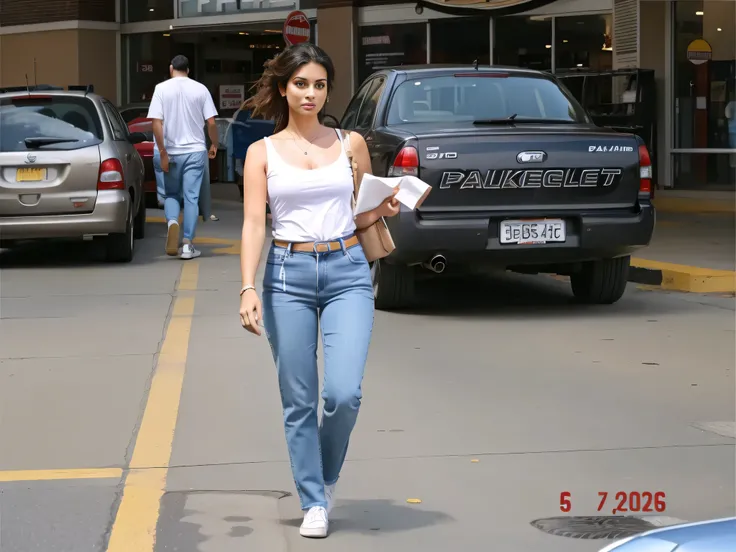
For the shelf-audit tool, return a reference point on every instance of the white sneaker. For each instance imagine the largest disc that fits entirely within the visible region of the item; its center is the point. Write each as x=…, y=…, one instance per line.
x=330, y=496
x=172, y=238
x=315, y=523
x=189, y=252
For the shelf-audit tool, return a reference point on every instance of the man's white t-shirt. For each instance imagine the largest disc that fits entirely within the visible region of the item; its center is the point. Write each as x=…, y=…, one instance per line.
x=184, y=105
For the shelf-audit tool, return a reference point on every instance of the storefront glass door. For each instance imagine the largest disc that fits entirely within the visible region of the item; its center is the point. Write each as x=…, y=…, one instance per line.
x=704, y=94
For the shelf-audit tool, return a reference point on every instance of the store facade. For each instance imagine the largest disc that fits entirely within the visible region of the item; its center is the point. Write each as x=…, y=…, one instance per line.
x=689, y=44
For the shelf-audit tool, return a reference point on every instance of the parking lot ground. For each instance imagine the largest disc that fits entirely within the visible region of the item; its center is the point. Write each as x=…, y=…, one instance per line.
x=138, y=416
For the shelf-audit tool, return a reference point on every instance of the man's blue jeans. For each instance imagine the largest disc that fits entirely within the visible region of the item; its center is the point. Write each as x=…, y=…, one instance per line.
x=159, y=173
x=184, y=179
x=303, y=293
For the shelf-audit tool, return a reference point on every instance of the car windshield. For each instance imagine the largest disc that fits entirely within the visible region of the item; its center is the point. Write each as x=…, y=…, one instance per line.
x=483, y=98
x=48, y=123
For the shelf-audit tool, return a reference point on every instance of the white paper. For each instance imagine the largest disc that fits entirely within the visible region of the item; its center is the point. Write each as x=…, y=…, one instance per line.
x=375, y=189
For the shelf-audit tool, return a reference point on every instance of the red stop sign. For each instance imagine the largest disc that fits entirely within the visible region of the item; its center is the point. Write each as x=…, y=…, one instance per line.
x=296, y=28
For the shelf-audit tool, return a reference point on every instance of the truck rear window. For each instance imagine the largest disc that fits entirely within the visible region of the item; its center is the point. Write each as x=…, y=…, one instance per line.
x=73, y=119
x=454, y=98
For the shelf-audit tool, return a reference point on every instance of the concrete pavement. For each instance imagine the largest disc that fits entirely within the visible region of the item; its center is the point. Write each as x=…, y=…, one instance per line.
x=137, y=415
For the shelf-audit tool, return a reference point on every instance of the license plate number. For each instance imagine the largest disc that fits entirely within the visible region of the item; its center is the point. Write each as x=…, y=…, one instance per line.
x=30, y=174
x=526, y=232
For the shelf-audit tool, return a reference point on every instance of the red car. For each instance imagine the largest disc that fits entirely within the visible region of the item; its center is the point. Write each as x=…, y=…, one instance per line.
x=145, y=150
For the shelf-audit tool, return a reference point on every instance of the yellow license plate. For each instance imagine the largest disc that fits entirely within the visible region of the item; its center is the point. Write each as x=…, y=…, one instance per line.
x=30, y=174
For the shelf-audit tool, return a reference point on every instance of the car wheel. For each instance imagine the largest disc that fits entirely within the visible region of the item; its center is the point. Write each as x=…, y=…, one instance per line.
x=120, y=246
x=601, y=282
x=139, y=225
x=393, y=285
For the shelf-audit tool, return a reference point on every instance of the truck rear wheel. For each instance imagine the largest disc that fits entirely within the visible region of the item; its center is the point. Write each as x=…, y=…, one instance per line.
x=393, y=285
x=601, y=282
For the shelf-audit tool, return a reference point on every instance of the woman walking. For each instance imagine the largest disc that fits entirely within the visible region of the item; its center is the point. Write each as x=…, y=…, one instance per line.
x=316, y=274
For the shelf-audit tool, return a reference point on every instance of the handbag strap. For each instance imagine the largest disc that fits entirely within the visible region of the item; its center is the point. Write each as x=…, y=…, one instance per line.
x=353, y=168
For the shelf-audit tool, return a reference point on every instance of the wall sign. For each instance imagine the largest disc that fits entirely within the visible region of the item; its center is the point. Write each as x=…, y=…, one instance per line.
x=699, y=51
x=470, y=7
x=231, y=96
x=296, y=28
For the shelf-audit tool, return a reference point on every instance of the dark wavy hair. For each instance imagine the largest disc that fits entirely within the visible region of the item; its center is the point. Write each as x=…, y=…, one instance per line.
x=267, y=101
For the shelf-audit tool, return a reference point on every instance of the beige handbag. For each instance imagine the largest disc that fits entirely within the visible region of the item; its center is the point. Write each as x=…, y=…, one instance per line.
x=375, y=240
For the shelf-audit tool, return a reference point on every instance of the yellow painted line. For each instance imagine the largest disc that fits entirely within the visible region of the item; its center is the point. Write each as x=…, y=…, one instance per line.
x=691, y=279
x=693, y=205
x=54, y=475
x=134, y=528
x=189, y=276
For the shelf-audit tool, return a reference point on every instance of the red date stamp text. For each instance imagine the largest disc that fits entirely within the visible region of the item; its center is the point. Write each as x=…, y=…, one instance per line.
x=633, y=501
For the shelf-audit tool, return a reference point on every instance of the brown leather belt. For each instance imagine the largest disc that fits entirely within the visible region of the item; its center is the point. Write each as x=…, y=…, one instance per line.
x=319, y=247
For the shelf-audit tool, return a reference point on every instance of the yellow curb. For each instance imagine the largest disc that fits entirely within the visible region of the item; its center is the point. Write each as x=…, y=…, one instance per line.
x=693, y=205
x=692, y=279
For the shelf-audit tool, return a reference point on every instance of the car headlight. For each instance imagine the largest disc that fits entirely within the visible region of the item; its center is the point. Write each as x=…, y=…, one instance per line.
x=616, y=544
x=638, y=543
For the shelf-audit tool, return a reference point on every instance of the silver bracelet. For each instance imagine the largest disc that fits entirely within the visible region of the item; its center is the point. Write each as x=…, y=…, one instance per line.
x=246, y=288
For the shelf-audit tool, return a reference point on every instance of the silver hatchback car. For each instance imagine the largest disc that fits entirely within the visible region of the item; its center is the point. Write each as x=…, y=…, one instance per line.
x=69, y=169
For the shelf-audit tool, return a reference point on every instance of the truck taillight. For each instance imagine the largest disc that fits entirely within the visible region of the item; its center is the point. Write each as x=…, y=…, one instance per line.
x=406, y=163
x=645, y=173
x=111, y=175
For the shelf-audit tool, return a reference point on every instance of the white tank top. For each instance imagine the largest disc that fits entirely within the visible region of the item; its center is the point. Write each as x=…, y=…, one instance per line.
x=310, y=204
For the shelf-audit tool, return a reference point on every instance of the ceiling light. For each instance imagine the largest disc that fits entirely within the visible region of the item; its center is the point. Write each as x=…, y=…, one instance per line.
x=548, y=46
x=698, y=13
x=719, y=29
x=565, y=41
x=167, y=34
x=151, y=9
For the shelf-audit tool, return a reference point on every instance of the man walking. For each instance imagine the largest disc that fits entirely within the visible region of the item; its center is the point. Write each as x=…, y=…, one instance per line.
x=179, y=108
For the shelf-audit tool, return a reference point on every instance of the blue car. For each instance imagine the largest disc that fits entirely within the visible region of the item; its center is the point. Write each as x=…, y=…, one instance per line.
x=717, y=535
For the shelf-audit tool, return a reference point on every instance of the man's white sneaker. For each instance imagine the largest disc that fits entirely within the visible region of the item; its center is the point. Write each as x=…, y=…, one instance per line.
x=172, y=238
x=189, y=252
x=315, y=523
x=330, y=496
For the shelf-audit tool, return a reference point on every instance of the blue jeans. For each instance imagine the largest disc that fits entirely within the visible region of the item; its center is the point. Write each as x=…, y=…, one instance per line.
x=185, y=175
x=303, y=293
x=159, y=173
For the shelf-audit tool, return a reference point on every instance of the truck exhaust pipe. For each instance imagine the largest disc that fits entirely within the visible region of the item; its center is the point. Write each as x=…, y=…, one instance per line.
x=437, y=264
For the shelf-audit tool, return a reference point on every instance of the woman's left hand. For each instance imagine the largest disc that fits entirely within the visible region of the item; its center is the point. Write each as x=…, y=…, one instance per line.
x=389, y=207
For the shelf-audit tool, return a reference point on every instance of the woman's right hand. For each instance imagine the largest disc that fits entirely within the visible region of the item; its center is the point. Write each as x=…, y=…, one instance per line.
x=250, y=311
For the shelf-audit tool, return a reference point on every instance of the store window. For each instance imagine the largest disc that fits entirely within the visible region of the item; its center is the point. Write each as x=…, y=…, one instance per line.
x=199, y=8
x=523, y=42
x=134, y=11
x=705, y=93
x=218, y=58
x=584, y=42
x=390, y=45
x=475, y=43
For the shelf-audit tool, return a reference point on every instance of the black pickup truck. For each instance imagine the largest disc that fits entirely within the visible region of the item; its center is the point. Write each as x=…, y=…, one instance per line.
x=522, y=179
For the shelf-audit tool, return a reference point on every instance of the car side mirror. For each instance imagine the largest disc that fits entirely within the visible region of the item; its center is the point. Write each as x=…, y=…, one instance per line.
x=137, y=137
x=330, y=121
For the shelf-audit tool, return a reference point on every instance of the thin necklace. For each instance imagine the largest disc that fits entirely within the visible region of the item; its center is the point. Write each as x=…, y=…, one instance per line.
x=293, y=139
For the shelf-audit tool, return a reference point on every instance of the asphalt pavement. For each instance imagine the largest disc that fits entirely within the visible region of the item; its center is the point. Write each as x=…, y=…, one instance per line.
x=137, y=415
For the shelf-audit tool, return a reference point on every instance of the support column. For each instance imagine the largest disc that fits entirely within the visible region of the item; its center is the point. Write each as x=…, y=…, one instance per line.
x=337, y=22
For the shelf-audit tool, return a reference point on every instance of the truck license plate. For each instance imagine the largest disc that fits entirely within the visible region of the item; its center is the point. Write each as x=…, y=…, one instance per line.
x=30, y=174
x=532, y=231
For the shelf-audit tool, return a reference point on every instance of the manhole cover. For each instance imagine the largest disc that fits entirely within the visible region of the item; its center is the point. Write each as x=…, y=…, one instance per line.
x=593, y=527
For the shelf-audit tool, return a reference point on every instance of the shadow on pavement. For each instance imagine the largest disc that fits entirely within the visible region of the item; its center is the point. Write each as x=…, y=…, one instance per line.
x=76, y=253
x=511, y=295
x=378, y=516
